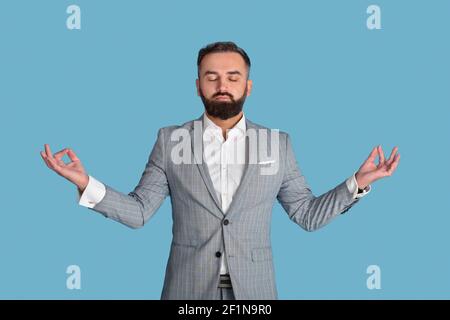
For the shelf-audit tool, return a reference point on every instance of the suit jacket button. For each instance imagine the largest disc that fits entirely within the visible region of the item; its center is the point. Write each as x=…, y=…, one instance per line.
x=226, y=222
x=218, y=254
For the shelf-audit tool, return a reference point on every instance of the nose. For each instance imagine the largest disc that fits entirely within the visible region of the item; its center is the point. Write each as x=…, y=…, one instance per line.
x=222, y=86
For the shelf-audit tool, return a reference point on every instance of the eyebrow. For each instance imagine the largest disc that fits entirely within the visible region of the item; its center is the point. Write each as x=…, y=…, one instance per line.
x=216, y=73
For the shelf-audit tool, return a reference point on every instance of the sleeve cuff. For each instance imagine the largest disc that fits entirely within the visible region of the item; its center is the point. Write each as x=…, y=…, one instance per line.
x=93, y=194
x=352, y=186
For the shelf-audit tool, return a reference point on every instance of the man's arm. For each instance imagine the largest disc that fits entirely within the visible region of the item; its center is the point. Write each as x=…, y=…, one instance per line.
x=305, y=209
x=137, y=207
x=133, y=209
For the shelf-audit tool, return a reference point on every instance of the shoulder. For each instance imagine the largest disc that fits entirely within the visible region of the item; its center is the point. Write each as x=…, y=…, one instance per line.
x=283, y=135
x=165, y=133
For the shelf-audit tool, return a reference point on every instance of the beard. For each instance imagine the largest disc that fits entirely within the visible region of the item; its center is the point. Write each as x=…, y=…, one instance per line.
x=223, y=109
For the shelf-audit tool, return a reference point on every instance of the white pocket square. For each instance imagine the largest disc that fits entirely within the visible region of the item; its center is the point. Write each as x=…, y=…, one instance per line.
x=267, y=162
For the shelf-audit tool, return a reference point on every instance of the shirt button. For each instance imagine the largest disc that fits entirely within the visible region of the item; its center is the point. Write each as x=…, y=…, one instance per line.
x=218, y=254
x=226, y=222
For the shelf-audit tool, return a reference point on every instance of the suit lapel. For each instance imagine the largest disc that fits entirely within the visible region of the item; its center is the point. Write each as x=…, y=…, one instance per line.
x=196, y=133
x=249, y=171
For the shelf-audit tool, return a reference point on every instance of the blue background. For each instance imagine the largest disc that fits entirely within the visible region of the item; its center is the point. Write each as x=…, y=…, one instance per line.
x=338, y=88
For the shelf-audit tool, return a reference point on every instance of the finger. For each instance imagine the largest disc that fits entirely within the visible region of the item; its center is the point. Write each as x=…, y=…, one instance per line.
x=372, y=155
x=392, y=156
x=44, y=157
x=48, y=152
x=60, y=154
x=49, y=164
x=381, y=155
x=394, y=164
x=52, y=163
x=72, y=155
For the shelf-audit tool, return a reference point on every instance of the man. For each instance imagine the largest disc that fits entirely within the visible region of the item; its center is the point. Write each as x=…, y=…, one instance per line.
x=221, y=207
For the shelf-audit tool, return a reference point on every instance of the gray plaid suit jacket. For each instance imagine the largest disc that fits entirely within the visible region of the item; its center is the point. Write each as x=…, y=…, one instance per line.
x=198, y=228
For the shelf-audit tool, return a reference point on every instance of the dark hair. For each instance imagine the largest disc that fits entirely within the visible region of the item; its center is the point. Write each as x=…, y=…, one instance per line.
x=223, y=46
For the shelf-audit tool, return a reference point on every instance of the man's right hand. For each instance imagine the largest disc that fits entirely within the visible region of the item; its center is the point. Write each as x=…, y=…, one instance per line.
x=72, y=171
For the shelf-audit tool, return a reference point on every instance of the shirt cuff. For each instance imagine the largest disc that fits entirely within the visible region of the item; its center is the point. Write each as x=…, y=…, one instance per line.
x=93, y=194
x=352, y=186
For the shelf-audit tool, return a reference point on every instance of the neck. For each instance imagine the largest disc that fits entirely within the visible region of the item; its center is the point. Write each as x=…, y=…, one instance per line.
x=226, y=124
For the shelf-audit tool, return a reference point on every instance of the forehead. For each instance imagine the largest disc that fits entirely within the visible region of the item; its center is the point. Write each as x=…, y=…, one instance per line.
x=223, y=61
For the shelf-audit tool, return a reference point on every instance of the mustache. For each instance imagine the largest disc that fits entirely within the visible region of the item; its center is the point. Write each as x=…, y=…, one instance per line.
x=223, y=94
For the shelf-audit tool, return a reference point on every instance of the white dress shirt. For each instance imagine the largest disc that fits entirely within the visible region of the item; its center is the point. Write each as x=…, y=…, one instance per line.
x=225, y=159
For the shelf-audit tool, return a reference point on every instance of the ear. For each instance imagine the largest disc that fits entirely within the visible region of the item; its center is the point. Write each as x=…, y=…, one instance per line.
x=249, y=87
x=197, y=84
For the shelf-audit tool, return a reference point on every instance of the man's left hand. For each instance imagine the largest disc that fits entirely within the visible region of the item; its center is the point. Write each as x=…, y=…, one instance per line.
x=370, y=172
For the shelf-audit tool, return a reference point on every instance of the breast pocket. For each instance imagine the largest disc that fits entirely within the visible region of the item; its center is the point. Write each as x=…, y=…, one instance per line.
x=268, y=168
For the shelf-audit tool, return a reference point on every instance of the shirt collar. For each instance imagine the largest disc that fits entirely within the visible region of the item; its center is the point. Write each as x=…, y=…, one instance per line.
x=238, y=129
